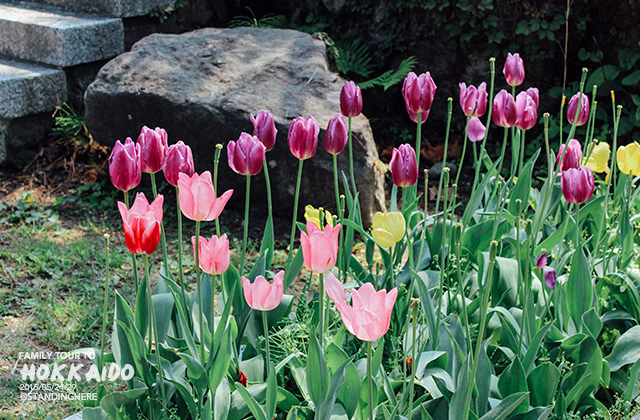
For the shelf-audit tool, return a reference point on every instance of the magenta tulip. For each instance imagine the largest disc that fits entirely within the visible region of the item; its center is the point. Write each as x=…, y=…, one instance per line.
x=577, y=184
x=527, y=111
x=572, y=156
x=476, y=129
x=504, y=113
x=550, y=277
x=262, y=295
x=541, y=261
x=403, y=166
x=350, y=100
x=474, y=99
x=153, y=149
x=303, y=137
x=246, y=155
x=336, y=136
x=572, y=108
x=514, y=69
x=369, y=315
x=197, y=197
x=179, y=160
x=124, y=165
x=534, y=94
x=141, y=223
x=264, y=128
x=213, y=254
x=418, y=92
x=320, y=247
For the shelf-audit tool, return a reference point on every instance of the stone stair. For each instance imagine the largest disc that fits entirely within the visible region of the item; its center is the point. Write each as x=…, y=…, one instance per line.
x=41, y=42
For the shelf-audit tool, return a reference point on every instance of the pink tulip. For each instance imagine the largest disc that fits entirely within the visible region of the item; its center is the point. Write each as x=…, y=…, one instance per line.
x=577, y=184
x=246, y=155
x=474, y=99
x=212, y=254
x=504, y=113
x=336, y=136
x=153, y=149
x=572, y=108
x=527, y=111
x=369, y=315
x=572, y=156
x=320, y=247
x=261, y=295
x=124, y=165
x=179, y=160
x=264, y=128
x=534, y=94
x=141, y=224
x=403, y=166
x=303, y=137
x=350, y=100
x=418, y=92
x=514, y=69
x=476, y=129
x=197, y=197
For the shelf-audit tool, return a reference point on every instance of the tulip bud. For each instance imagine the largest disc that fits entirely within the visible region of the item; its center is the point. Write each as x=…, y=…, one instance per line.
x=445, y=174
x=514, y=69
x=541, y=261
x=404, y=166
x=577, y=184
x=264, y=128
x=336, y=136
x=418, y=92
x=550, y=277
x=528, y=228
x=350, y=100
x=124, y=165
x=246, y=155
x=457, y=233
x=504, y=113
x=474, y=99
x=179, y=160
x=527, y=111
x=572, y=156
x=303, y=137
x=572, y=108
x=493, y=250
x=153, y=149
x=518, y=207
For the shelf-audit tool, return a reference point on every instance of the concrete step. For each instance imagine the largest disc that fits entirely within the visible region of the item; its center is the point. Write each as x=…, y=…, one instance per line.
x=51, y=36
x=27, y=89
x=113, y=8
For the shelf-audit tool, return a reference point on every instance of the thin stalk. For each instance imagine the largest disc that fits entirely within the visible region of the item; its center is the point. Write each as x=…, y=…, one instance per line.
x=133, y=256
x=295, y=212
x=181, y=271
x=199, y=287
x=246, y=223
x=353, y=178
x=462, y=292
x=321, y=311
x=561, y=119
x=464, y=150
x=265, y=325
x=105, y=306
x=414, y=190
x=164, y=236
x=216, y=164
x=483, y=151
x=504, y=149
x=446, y=146
x=550, y=174
x=370, y=378
x=521, y=164
x=413, y=356
x=338, y=211
x=442, y=249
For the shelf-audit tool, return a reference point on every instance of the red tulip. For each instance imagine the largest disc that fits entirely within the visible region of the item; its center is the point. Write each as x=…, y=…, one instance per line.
x=320, y=247
x=403, y=166
x=261, y=295
x=369, y=315
x=572, y=156
x=473, y=98
x=153, y=149
x=264, y=128
x=141, y=224
x=124, y=165
x=179, y=160
x=418, y=92
x=336, y=136
x=213, y=254
x=527, y=111
x=197, y=197
x=303, y=137
x=572, y=108
x=504, y=113
x=246, y=155
x=514, y=69
x=350, y=100
x=577, y=184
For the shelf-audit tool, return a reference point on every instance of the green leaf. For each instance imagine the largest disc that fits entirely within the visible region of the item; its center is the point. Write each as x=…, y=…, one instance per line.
x=514, y=381
x=267, y=245
x=222, y=402
x=579, y=287
x=335, y=357
x=458, y=401
x=119, y=342
x=293, y=269
x=163, y=307
x=142, y=308
x=543, y=381
x=631, y=79
x=523, y=186
x=254, y=407
x=391, y=77
x=272, y=392
x=324, y=411
x=316, y=371
x=626, y=350
x=608, y=72
x=506, y=406
x=476, y=196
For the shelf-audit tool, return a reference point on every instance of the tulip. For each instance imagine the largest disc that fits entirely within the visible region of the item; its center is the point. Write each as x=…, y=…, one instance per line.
x=534, y=94
x=599, y=159
x=141, y=223
x=246, y=155
x=577, y=184
x=504, y=113
x=527, y=111
x=541, y=261
x=197, y=197
x=572, y=156
x=476, y=129
x=350, y=100
x=388, y=228
x=369, y=315
x=514, y=69
x=320, y=247
x=628, y=158
x=550, y=277
x=418, y=92
x=303, y=137
x=336, y=136
x=572, y=108
x=312, y=214
x=404, y=166
x=264, y=128
x=124, y=165
x=153, y=149
x=213, y=254
x=414, y=116
x=179, y=160
x=474, y=99
x=261, y=295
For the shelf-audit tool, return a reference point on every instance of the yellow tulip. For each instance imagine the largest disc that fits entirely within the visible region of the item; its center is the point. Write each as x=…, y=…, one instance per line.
x=629, y=159
x=312, y=214
x=599, y=159
x=388, y=228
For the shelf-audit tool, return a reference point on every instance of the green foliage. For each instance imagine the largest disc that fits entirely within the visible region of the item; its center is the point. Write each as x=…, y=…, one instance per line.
x=26, y=210
x=267, y=21
x=163, y=13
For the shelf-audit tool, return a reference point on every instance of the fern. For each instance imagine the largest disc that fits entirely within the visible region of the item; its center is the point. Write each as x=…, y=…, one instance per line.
x=391, y=77
x=267, y=21
x=354, y=59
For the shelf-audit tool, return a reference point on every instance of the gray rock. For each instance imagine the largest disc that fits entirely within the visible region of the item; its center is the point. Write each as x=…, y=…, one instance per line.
x=55, y=37
x=436, y=171
x=114, y=8
x=21, y=138
x=201, y=87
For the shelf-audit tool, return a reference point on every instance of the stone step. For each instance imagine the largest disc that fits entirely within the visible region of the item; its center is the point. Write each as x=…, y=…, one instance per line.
x=27, y=88
x=51, y=36
x=113, y=8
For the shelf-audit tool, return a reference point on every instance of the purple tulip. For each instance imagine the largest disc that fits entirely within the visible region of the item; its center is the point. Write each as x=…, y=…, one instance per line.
x=474, y=99
x=535, y=95
x=504, y=113
x=577, y=184
x=153, y=149
x=336, y=136
x=264, y=128
x=541, y=261
x=513, y=69
x=350, y=100
x=572, y=108
x=403, y=166
x=527, y=111
x=572, y=156
x=418, y=92
x=179, y=160
x=550, y=277
x=246, y=155
x=303, y=137
x=476, y=129
x=124, y=165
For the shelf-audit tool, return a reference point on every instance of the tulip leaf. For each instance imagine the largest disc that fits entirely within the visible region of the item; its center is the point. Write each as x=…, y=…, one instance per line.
x=514, y=381
x=259, y=268
x=626, y=350
x=477, y=238
x=316, y=371
x=142, y=307
x=335, y=358
x=507, y=406
x=543, y=381
x=458, y=401
x=633, y=384
x=476, y=196
x=534, y=347
x=523, y=186
x=222, y=402
x=293, y=269
x=252, y=404
x=272, y=392
x=420, y=261
x=336, y=382
x=268, y=241
x=579, y=287
x=163, y=307
x=119, y=343
x=239, y=408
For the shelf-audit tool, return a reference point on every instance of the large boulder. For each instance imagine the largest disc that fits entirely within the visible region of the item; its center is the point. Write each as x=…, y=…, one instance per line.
x=201, y=87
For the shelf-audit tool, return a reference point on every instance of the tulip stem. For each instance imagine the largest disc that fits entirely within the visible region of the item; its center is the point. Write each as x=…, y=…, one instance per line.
x=483, y=152
x=370, y=378
x=338, y=211
x=180, y=272
x=321, y=311
x=353, y=178
x=521, y=164
x=199, y=286
x=105, y=307
x=216, y=164
x=133, y=256
x=414, y=322
x=414, y=189
x=265, y=325
x=295, y=211
x=464, y=151
x=246, y=223
x=164, y=236
x=444, y=156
